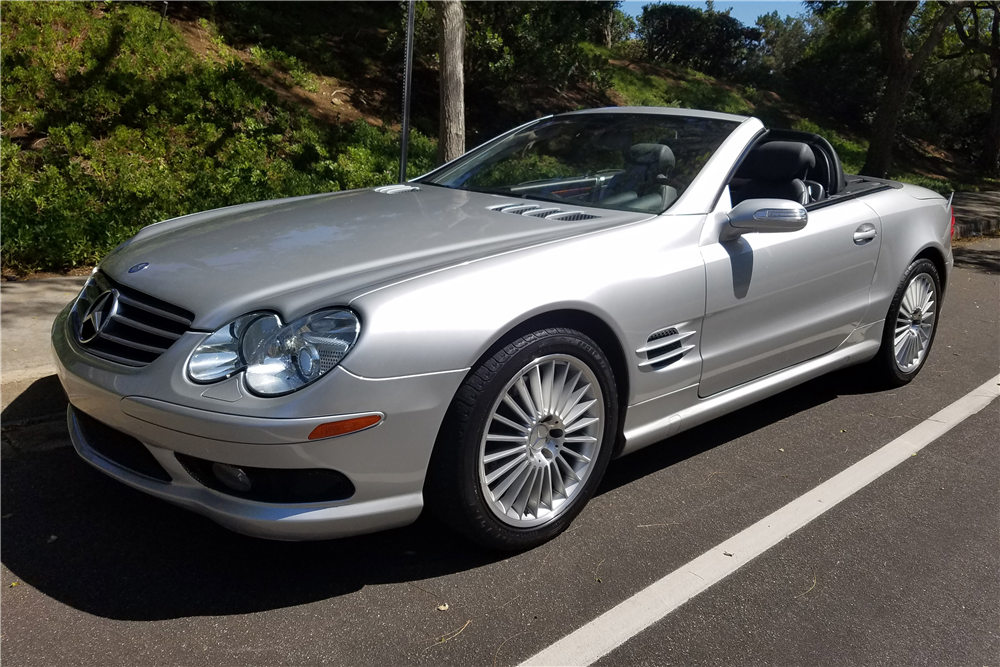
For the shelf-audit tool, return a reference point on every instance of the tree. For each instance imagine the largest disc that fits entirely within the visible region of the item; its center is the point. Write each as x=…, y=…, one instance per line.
x=709, y=41
x=976, y=42
x=783, y=41
x=451, y=21
x=892, y=23
x=611, y=25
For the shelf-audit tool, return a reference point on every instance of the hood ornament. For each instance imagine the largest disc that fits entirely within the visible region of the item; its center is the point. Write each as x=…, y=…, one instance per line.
x=138, y=267
x=98, y=315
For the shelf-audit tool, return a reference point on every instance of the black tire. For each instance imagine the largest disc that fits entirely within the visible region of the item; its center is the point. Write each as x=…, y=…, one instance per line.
x=454, y=491
x=886, y=369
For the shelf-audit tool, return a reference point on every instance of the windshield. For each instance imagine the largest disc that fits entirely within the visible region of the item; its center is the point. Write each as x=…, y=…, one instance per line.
x=631, y=162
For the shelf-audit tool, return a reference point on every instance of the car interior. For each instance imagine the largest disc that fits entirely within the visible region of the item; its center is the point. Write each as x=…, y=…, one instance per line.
x=644, y=184
x=797, y=166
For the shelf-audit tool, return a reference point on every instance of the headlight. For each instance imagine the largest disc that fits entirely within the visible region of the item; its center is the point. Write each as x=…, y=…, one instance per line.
x=277, y=359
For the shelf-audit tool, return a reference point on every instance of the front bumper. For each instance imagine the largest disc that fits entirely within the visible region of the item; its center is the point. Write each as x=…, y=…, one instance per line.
x=168, y=416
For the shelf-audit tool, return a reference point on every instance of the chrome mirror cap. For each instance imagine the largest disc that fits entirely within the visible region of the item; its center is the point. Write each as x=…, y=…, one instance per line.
x=765, y=216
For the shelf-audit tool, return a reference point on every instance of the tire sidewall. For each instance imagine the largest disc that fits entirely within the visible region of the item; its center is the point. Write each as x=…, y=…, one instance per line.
x=486, y=527
x=894, y=374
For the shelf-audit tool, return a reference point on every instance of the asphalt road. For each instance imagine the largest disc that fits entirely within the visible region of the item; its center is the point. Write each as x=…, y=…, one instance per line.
x=905, y=572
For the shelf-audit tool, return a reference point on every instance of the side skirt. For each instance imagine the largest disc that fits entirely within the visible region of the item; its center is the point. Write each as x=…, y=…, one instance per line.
x=653, y=420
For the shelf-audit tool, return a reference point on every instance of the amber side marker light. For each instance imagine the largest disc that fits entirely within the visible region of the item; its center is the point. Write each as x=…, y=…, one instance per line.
x=344, y=426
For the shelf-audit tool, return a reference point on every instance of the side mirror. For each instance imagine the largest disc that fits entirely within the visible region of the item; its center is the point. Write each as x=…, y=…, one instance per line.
x=764, y=216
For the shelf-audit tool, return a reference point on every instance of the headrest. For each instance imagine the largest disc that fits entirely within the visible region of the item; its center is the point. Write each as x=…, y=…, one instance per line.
x=778, y=161
x=612, y=141
x=657, y=155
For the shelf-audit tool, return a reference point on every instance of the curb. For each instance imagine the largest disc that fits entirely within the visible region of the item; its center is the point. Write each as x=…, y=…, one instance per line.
x=974, y=228
x=976, y=213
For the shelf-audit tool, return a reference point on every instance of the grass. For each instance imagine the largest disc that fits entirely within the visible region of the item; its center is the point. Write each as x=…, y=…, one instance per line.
x=110, y=123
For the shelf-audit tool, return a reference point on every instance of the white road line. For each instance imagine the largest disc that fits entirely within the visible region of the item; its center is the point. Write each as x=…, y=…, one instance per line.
x=618, y=625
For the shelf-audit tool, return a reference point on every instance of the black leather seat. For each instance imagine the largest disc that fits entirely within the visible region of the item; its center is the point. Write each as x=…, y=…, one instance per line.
x=776, y=170
x=641, y=187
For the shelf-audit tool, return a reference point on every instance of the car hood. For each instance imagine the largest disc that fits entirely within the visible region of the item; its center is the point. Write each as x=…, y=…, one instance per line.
x=292, y=256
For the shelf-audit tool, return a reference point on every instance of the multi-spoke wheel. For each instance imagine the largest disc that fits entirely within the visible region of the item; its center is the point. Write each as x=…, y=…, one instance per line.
x=915, y=323
x=539, y=445
x=526, y=441
x=910, y=324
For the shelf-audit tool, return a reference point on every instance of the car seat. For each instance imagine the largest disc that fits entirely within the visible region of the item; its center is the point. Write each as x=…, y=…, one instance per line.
x=641, y=187
x=776, y=170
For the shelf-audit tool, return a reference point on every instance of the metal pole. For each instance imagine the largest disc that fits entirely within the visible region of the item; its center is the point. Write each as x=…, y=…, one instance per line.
x=408, y=67
x=162, y=16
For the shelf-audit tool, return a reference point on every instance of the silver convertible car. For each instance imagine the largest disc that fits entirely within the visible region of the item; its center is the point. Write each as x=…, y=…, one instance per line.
x=484, y=339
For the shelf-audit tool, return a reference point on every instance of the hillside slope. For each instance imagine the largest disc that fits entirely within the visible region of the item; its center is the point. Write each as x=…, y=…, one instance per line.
x=113, y=120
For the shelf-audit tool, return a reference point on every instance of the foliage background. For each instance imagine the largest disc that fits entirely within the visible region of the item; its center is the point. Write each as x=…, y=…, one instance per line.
x=113, y=118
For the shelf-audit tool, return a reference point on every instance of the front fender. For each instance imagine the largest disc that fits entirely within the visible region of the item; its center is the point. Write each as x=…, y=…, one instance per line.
x=637, y=279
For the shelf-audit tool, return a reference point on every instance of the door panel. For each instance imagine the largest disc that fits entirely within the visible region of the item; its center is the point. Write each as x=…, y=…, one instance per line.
x=775, y=300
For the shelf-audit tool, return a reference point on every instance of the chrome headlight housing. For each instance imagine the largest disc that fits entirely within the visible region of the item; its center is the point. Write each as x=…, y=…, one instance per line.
x=277, y=359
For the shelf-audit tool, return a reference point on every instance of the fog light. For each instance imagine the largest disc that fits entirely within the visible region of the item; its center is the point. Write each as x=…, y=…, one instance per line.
x=232, y=477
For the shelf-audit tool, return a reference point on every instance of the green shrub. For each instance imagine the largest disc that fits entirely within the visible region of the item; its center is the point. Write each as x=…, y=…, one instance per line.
x=111, y=124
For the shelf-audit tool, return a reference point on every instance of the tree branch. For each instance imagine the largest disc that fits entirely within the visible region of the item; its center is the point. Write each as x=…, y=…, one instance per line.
x=934, y=35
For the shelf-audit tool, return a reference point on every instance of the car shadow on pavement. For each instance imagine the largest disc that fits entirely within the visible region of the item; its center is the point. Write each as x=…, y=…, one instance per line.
x=94, y=544
x=43, y=398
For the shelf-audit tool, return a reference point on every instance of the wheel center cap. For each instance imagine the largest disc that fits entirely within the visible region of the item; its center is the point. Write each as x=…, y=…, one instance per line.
x=918, y=317
x=538, y=437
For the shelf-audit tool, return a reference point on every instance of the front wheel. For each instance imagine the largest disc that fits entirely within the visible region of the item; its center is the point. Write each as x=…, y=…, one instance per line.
x=526, y=441
x=910, y=325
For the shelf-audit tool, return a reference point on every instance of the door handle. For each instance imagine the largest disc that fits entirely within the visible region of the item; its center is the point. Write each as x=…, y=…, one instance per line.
x=865, y=233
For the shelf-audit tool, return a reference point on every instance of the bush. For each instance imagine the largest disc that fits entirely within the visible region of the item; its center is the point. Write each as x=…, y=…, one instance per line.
x=111, y=124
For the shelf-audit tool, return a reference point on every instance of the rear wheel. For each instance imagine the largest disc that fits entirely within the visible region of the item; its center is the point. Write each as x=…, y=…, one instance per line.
x=910, y=325
x=526, y=441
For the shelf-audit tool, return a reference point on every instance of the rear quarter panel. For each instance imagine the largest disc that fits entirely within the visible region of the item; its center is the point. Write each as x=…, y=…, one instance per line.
x=910, y=226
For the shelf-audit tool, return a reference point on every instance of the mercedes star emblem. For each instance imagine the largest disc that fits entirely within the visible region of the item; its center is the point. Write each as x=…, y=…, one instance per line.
x=98, y=315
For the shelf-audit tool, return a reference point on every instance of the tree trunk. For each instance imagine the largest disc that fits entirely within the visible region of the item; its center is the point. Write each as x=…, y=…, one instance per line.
x=892, y=21
x=451, y=23
x=989, y=159
x=878, y=160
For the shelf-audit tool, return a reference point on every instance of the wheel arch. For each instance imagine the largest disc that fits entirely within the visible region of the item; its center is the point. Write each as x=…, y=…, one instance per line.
x=586, y=323
x=936, y=257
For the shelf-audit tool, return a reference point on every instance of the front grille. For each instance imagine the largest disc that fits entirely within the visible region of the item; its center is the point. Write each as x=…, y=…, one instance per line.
x=131, y=328
x=118, y=448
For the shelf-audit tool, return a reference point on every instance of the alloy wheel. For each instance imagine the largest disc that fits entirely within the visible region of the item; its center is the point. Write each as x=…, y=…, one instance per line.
x=915, y=323
x=542, y=436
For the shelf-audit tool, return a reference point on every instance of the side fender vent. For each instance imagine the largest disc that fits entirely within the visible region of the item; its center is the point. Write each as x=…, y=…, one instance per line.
x=663, y=348
x=399, y=188
x=536, y=211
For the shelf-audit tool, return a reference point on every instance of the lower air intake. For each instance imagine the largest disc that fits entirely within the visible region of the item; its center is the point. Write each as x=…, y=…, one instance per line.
x=270, y=485
x=118, y=448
